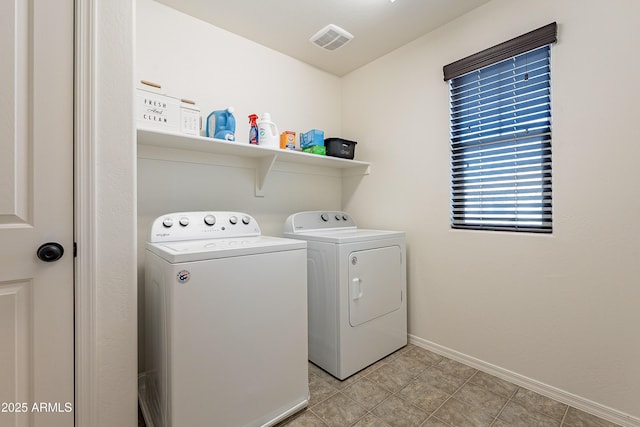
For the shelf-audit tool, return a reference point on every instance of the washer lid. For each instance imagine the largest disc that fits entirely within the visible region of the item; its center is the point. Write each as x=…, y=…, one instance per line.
x=201, y=250
x=348, y=235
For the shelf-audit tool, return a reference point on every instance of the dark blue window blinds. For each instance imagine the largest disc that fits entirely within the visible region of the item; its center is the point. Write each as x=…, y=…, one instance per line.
x=500, y=121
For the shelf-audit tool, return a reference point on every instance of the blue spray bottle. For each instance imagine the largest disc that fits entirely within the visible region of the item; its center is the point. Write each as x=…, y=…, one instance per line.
x=253, y=131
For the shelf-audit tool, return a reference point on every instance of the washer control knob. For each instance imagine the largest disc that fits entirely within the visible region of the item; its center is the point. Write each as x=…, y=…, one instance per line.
x=233, y=220
x=338, y=217
x=184, y=221
x=167, y=222
x=344, y=217
x=246, y=220
x=324, y=217
x=209, y=220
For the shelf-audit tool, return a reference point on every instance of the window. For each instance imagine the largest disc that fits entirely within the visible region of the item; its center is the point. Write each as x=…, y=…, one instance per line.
x=500, y=122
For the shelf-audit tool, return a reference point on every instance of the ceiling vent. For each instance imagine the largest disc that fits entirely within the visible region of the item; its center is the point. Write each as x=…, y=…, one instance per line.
x=331, y=37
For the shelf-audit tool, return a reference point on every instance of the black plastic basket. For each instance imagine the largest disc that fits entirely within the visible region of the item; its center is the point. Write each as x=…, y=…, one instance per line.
x=338, y=147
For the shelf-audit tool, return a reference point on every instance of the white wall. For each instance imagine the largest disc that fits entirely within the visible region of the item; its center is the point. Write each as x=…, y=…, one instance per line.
x=195, y=60
x=561, y=309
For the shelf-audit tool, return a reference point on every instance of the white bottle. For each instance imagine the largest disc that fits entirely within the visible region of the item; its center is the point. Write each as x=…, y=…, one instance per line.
x=268, y=135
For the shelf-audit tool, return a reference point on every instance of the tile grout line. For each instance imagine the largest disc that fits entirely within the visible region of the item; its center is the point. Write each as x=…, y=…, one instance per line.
x=349, y=398
x=318, y=417
x=509, y=399
x=395, y=393
x=432, y=414
x=536, y=410
x=564, y=417
x=392, y=393
x=449, y=398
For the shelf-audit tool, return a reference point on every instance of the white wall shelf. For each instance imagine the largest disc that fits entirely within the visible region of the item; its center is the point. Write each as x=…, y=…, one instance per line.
x=183, y=147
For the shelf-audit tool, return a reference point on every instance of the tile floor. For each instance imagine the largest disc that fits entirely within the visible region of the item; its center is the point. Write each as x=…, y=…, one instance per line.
x=415, y=387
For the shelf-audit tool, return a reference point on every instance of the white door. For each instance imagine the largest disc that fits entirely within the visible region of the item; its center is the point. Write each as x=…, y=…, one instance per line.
x=375, y=283
x=36, y=207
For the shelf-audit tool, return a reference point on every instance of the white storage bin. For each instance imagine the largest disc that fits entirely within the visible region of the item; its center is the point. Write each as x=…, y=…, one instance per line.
x=190, y=119
x=155, y=109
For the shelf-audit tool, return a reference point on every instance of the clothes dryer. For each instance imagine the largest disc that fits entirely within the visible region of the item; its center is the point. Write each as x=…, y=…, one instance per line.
x=226, y=323
x=357, y=291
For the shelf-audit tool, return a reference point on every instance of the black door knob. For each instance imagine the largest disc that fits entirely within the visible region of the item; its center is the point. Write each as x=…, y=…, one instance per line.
x=50, y=251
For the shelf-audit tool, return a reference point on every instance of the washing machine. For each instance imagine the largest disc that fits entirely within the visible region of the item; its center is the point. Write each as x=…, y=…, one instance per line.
x=357, y=290
x=225, y=322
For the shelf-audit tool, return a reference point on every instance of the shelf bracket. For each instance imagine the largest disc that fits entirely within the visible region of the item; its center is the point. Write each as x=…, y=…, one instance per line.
x=359, y=170
x=263, y=167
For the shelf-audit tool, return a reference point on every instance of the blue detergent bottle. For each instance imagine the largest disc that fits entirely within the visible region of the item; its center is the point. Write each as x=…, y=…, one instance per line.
x=221, y=124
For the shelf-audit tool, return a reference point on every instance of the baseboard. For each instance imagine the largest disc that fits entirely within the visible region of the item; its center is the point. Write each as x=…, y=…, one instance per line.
x=570, y=399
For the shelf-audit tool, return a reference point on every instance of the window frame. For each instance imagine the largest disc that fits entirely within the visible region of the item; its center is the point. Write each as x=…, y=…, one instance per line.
x=517, y=147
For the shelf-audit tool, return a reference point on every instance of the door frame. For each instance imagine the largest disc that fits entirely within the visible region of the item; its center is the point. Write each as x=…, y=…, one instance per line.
x=86, y=389
x=105, y=214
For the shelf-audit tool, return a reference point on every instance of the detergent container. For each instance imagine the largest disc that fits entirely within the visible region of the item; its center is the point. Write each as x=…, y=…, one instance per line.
x=221, y=125
x=268, y=134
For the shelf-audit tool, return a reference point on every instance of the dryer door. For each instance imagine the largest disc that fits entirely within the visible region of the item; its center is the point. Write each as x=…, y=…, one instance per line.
x=375, y=283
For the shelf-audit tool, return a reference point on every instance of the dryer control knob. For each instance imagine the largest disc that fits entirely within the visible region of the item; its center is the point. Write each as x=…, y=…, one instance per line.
x=233, y=220
x=338, y=218
x=167, y=222
x=246, y=220
x=324, y=217
x=184, y=221
x=209, y=220
x=345, y=217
